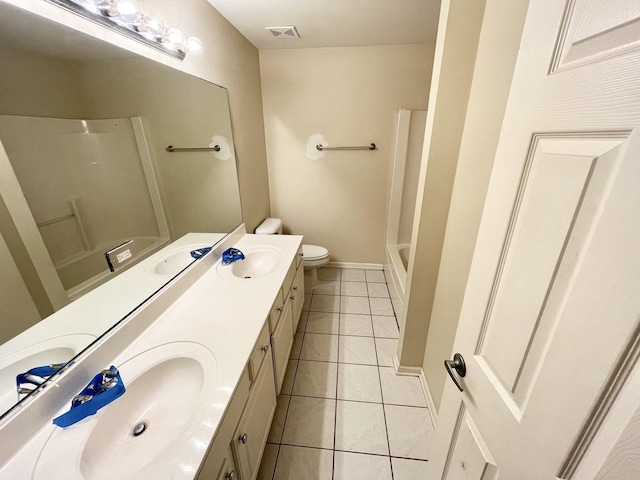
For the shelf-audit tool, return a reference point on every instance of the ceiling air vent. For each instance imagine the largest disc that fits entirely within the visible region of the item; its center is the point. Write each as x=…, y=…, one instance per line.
x=288, y=31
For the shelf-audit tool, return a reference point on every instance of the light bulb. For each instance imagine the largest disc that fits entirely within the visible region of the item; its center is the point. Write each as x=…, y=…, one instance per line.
x=176, y=39
x=102, y=7
x=155, y=27
x=194, y=46
x=127, y=12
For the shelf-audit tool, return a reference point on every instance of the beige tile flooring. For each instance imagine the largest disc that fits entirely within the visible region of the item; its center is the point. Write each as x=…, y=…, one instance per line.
x=343, y=413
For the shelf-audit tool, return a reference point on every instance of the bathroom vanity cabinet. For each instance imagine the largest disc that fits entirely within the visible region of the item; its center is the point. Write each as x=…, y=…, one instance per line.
x=284, y=318
x=237, y=449
x=220, y=341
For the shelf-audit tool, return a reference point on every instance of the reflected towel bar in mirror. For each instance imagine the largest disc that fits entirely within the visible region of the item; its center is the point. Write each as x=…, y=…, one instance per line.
x=215, y=148
x=371, y=146
x=55, y=220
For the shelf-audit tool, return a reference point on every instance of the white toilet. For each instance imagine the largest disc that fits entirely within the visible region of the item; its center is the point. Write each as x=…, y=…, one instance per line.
x=313, y=256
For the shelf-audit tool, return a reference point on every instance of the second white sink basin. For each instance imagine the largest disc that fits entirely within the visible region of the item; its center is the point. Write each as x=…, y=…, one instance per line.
x=174, y=261
x=167, y=391
x=258, y=262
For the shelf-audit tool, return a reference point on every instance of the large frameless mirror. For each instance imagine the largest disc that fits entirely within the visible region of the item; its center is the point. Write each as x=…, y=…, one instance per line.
x=84, y=168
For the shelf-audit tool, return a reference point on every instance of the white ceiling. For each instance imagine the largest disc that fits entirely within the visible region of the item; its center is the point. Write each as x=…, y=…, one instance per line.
x=333, y=23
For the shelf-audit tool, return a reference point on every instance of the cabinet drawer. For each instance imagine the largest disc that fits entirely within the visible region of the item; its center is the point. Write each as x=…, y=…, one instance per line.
x=260, y=351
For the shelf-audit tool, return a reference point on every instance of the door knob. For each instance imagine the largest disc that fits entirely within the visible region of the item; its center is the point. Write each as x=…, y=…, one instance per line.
x=458, y=365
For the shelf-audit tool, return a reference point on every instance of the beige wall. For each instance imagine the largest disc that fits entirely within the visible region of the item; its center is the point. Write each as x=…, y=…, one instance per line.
x=232, y=62
x=456, y=48
x=32, y=93
x=497, y=51
x=352, y=97
x=19, y=312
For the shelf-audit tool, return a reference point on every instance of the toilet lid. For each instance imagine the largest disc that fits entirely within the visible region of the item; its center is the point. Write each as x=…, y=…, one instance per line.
x=314, y=252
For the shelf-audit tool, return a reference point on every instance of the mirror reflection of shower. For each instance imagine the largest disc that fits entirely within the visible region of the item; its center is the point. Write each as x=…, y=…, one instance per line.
x=73, y=174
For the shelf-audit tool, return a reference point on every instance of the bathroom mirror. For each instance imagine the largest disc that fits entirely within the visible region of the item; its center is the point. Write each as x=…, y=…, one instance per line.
x=84, y=127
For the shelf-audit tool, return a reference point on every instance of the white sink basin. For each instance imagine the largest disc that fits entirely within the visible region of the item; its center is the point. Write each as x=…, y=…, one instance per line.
x=54, y=350
x=174, y=261
x=168, y=389
x=258, y=262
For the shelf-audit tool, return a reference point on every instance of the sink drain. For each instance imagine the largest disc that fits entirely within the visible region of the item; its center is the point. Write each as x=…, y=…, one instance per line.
x=247, y=276
x=139, y=429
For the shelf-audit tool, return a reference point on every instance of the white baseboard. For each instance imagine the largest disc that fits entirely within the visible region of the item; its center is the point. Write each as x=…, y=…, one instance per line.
x=365, y=266
x=404, y=369
x=433, y=413
x=418, y=372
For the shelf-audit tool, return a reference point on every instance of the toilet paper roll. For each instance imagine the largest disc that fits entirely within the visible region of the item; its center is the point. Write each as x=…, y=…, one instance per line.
x=312, y=152
x=226, y=152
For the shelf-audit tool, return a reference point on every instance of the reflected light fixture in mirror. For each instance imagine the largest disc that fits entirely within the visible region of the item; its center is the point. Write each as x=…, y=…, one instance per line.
x=126, y=17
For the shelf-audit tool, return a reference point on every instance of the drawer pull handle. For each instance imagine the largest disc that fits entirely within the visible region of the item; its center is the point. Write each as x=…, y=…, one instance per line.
x=279, y=309
x=265, y=348
x=231, y=475
x=292, y=297
x=243, y=439
x=295, y=289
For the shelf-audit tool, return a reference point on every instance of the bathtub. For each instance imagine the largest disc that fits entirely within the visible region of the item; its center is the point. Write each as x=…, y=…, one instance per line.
x=396, y=274
x=85, y=272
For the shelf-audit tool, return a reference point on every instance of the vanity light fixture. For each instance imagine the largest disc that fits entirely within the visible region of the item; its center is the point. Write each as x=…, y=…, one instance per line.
x=125, y=17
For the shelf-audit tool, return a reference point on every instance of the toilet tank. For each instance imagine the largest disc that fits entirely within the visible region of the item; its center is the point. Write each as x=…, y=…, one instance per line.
x=270, y=226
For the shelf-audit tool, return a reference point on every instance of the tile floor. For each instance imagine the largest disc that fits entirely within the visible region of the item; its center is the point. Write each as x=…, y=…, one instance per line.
x=343, y=413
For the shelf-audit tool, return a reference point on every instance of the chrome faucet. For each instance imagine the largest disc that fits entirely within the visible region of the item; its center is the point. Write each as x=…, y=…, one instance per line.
x=27, y=382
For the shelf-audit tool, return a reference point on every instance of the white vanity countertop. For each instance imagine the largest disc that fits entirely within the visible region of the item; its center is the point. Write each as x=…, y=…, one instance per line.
x=224, y=315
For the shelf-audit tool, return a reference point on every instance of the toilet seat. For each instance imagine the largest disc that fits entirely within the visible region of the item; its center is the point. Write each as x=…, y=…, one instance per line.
x=314, y=252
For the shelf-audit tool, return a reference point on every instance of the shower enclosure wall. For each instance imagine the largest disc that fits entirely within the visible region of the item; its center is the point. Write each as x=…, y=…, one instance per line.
x=404, y=187
x=58, y=178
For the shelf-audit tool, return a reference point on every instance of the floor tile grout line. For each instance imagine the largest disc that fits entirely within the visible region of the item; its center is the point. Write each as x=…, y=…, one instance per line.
x=335, y=415
x=357, y=401
x=335, y=403
x=384, y=413
x=348, y=451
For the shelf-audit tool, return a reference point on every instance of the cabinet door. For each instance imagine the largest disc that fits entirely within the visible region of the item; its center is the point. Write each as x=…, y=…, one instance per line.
x=260, y=351
x=228, y=470
x=219, y=462
x=297, y=296
x=276, y=312
x=253, y=429
x=281, y=343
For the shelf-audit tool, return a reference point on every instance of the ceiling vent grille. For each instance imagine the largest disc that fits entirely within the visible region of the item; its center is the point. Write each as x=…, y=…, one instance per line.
x=288, y=31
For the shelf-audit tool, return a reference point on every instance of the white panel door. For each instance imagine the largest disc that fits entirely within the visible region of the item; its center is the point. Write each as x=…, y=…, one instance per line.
x=549, y=326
